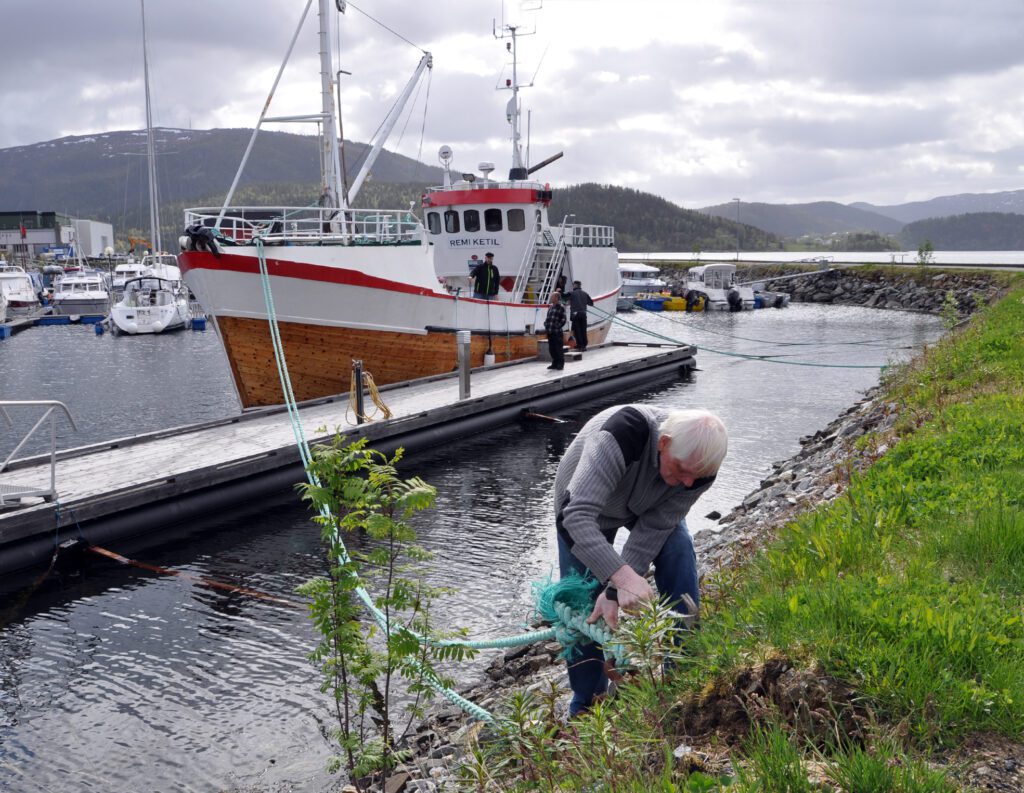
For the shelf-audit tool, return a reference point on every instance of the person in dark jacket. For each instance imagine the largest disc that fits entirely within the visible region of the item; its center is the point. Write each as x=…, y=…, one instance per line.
x=485, y=278
x=578, y=302
x=642, y=468
x=553, y=324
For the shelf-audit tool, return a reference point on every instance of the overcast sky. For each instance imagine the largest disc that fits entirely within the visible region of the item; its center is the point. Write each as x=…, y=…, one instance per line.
x=700, y=101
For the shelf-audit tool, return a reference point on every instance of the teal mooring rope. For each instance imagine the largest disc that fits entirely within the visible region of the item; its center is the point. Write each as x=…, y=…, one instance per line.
x=570, y=627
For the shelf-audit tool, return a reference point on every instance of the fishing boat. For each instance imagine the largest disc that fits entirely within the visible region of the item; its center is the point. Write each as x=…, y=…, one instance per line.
x=389, y=288
x=716, y=283
x=17, y=287
x=81, y=293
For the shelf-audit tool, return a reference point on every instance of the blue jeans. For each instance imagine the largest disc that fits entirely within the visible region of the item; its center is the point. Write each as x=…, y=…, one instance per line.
x=675, y=574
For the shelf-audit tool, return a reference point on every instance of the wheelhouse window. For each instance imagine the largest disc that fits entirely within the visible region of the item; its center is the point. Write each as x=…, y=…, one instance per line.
x=492, y=219
x=471, y=219
x=516, y=220
x=434, y=222
x=451, y=221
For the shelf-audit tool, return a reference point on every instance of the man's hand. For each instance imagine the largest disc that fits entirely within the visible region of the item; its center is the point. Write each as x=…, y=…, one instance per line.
x=606, y=608
x=633, y=590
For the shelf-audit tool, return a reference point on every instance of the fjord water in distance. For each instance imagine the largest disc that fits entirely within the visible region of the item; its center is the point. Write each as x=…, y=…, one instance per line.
x=125, y=680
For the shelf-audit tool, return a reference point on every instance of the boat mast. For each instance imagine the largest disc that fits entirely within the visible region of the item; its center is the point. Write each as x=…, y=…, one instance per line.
x=331, y=194
x=512, y=110
x=154, y=210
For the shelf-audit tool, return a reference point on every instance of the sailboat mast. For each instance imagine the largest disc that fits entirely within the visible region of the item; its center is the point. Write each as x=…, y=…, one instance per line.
x=154, y=209
x=330, y=158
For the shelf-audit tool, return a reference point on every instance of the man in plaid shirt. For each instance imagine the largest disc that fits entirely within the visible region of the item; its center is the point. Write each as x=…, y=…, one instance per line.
x=553, y=324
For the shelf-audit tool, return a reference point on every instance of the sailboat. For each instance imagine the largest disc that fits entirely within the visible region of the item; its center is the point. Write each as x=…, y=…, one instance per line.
x=156, y=300
x=383, y=286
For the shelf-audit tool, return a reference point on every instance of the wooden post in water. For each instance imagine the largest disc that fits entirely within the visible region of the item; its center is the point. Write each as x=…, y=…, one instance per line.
x=357, y=368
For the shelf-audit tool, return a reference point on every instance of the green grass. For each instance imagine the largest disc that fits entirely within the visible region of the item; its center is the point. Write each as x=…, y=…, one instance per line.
x=909, y=589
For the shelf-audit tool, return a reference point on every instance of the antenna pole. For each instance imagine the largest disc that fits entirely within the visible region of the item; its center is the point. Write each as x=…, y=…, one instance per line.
x=154, y=210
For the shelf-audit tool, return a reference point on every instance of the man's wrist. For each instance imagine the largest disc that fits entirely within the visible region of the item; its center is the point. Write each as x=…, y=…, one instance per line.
x=611, y=592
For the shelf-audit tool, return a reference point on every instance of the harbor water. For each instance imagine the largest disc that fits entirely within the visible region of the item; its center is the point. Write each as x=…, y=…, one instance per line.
x=124, y=680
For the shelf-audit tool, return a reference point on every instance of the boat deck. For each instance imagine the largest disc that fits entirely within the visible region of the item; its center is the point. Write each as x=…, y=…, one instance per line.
x=168, y=476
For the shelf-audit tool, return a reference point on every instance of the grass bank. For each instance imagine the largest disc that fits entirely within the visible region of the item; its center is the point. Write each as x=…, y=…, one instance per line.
x=869, y=646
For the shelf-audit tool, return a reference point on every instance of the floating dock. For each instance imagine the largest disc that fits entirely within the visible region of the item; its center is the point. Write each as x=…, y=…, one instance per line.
x=139, y=484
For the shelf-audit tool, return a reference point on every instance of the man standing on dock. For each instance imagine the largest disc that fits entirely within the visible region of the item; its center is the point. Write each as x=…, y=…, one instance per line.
x=578, y=302
x=642, y=468
x=553, y=324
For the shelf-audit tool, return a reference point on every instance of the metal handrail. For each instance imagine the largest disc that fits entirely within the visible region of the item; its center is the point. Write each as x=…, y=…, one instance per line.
x=311, y=224
x=50, y=405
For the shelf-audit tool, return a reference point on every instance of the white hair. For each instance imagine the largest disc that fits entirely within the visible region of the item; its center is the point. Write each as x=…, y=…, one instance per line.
x=696, y=436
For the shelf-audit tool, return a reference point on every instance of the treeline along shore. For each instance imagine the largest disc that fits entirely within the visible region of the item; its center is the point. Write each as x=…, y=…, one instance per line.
x=861, y=617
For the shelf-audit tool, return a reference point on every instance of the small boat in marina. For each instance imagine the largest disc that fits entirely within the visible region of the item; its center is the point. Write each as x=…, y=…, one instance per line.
x=81, y=293
x=17, y=287
x=153, y=298
x=716, y=283
x=123, y=273
x=638, y=277
x=383, y=286
x=151, y=304
x=650, y=301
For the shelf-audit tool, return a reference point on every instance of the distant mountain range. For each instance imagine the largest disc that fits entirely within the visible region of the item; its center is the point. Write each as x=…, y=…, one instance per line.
x=820, y=218
x=825, y=218
x=1010, y=201
x=103, y=177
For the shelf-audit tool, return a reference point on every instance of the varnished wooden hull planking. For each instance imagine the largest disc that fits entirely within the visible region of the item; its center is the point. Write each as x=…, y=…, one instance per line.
x=320, y=358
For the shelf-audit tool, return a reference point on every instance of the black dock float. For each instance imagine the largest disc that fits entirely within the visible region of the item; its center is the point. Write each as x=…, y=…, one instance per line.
x=137, y=485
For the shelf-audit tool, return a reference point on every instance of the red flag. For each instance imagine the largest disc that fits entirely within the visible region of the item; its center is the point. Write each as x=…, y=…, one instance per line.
x=21, y=228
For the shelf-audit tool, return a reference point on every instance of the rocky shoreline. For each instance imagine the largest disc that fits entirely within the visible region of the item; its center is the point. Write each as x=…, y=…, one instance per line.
x=902, y=289
x=817, y=474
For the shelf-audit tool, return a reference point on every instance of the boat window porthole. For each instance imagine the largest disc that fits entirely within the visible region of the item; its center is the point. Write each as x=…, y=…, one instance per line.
x=492, y=219
x=451, y=221
x=434, y=222
x=516, y=220
x=471, y=220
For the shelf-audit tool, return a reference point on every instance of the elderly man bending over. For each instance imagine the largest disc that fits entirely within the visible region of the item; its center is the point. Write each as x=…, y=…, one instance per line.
x=641, y=468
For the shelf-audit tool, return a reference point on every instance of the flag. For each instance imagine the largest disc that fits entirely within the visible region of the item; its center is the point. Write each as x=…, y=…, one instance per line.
x=21, y=228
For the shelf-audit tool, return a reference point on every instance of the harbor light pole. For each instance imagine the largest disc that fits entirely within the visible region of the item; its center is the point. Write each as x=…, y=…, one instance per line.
x=737, y=202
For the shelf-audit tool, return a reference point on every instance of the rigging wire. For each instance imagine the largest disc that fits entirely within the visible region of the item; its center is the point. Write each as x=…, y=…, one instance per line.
x=426, y=104
x=390, y=30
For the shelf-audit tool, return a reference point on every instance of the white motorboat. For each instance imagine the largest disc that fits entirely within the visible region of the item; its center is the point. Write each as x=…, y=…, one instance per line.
x=637, y=278
x=717, y=284
x=17, y=287
x=151, y=304
x=379, y=285
x=125, y=272
x=81, y=293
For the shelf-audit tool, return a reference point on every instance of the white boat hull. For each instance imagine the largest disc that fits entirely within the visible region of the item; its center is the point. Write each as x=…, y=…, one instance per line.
x=333, y=310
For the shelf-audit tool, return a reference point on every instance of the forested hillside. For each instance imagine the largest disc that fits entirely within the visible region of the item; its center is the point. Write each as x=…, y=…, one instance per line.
x=977, y=231
x=645, y=222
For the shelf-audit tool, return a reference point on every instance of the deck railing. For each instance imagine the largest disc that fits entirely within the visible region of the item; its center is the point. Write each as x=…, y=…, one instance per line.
x=11, y=492
x=585, y=236
x=312, y=224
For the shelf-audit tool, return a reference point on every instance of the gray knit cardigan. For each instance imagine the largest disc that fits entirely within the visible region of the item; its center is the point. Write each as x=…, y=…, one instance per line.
x=609, y=478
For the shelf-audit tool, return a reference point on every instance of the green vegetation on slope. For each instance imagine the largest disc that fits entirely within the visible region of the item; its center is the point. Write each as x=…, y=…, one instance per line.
x=893, y=614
